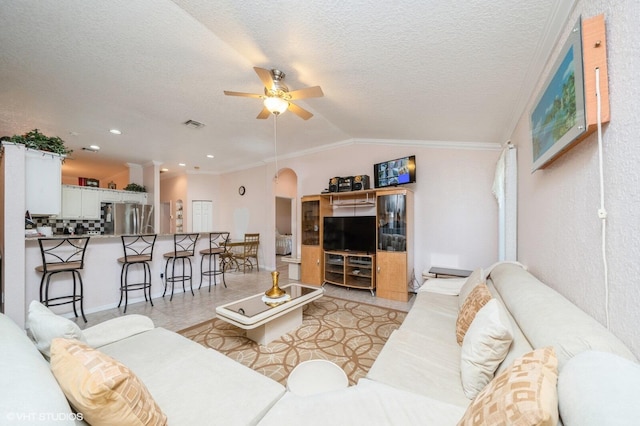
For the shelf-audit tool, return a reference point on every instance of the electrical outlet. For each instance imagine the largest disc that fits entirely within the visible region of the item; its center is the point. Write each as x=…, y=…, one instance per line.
x=161, y=275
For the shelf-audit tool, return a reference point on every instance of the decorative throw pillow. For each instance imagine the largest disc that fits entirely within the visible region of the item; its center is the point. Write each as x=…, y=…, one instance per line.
x=524, y=394
x=474, y=279
x=102, y=389
x=478, y=297
x=43, y=326
x=484, y=347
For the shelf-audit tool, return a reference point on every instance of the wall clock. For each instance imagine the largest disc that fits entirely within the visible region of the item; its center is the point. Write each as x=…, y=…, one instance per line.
x=241, y=190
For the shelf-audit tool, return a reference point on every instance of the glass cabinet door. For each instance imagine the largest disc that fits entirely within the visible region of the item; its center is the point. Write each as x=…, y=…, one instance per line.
x=311, y=223
x=392, y=222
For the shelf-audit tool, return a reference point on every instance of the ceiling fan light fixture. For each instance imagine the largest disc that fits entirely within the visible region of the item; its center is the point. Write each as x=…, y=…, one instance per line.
x=276, y=105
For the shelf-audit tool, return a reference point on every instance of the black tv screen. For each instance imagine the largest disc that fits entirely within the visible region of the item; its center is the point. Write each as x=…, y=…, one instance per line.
x=395, y=172
x=349, y=233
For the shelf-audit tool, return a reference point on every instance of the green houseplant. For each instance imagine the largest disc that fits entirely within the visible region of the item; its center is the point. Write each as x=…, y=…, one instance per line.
x=135, y=188
x=36, y=140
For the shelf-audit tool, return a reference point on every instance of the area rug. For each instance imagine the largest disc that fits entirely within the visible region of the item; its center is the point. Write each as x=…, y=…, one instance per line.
x=348, y=333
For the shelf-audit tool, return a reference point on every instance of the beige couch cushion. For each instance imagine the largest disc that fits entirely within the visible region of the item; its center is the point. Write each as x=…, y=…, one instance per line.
x=524, y=394
x=193, y=384
x=423, y=356
x=478, y=297
x=102, y=389
x=484, y=347
x=366, y=404
x=547, y=318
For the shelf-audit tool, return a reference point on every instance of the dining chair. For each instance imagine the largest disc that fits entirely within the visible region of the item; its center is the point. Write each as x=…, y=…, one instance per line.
x=250, y=251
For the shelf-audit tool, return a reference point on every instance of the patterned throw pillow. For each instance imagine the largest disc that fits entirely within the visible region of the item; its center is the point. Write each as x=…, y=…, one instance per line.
x=102, y=389
x=522, y=395
x=478, y=297
x=472, y=281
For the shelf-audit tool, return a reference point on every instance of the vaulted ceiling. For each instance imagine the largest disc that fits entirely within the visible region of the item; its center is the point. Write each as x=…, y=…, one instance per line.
x=418, y=70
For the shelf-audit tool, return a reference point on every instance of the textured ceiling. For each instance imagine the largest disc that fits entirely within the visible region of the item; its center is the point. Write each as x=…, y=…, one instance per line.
x=418, y=70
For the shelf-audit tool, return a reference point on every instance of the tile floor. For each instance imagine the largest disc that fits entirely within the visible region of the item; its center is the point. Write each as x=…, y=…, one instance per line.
x=186, y=310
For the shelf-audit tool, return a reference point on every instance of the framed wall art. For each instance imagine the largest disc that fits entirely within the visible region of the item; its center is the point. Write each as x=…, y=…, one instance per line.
x=558, y=116
x=565, y=111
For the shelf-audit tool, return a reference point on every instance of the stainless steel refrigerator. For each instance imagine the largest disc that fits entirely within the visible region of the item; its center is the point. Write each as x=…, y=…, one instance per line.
x=127, y=218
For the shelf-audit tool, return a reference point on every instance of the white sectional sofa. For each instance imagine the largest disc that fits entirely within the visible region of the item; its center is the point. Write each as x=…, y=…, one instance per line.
x=191, y=384
x=416, y=379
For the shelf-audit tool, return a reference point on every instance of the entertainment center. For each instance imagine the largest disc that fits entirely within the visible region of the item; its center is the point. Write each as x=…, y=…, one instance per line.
x=359, y=239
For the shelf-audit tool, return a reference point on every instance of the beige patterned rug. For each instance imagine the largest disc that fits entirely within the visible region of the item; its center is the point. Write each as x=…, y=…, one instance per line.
x=348, y=333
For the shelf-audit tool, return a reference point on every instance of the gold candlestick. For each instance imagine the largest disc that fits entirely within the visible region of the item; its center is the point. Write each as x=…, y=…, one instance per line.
x=274, y=292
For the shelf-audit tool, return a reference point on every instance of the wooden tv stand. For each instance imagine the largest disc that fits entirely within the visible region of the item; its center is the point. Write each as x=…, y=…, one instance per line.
x=350, y=269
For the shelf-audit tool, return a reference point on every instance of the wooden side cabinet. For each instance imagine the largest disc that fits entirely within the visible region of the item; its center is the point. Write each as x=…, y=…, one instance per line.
x=394, y=254
x=313, y=210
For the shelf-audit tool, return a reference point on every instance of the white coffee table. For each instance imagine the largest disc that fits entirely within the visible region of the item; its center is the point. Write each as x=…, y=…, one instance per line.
x=267, y=320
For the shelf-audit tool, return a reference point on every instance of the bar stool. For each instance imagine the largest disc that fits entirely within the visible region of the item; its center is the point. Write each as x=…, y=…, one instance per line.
x=138, y=250
x=217, y=249
x=63, y=255
x=184, y=247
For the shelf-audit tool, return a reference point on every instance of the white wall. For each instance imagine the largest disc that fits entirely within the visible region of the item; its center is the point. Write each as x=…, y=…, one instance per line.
x=559, y=230
x=173, y=189
x=456, y=214
x=205, y=187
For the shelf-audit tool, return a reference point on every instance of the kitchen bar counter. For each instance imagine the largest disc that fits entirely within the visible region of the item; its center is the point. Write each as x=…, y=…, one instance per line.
x=101, y=273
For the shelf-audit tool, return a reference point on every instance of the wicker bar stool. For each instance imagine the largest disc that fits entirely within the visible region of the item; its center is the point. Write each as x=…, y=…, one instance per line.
x=60, y=255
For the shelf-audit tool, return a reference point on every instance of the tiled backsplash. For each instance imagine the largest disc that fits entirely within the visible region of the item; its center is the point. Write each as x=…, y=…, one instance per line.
x=59, y=225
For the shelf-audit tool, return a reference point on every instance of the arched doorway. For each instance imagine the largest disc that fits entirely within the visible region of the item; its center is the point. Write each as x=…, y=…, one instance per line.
x=285, y=190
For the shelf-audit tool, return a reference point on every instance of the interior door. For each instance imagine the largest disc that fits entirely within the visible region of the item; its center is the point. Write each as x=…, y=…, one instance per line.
x=202, y=216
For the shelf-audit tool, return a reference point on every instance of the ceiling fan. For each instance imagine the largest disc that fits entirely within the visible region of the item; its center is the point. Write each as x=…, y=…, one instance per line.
x=277, y=97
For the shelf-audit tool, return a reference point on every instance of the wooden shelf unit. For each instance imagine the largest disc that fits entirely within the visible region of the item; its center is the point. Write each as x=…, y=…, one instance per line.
x=350, y=269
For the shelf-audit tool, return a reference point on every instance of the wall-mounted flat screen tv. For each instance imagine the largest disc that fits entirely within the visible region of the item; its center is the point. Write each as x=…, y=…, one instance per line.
x=395, y=172
x=349, y=233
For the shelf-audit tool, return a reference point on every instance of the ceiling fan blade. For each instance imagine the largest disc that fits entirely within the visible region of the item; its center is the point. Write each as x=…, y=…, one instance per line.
x=246, y=95
x=300, y=112
x=265, y=113
x=265, y=77
x=309, y=92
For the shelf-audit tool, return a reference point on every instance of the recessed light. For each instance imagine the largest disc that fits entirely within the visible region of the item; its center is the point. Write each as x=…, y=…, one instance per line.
x=96, y=147
x=181, y=164
x=91, y=148
x=115, y=131
x=210, y=155
x=164, y=170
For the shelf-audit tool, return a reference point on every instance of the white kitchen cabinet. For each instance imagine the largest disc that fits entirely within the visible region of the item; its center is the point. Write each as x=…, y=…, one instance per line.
x=91, y=203
x=110, y=196
x=71, y=202
x=80, y=203
x=43, y=175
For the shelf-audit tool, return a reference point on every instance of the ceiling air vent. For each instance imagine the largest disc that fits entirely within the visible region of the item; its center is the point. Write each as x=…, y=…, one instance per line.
x=193, y=124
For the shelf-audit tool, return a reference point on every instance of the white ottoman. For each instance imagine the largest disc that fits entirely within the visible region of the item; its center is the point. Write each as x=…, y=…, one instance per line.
x=316, y=376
